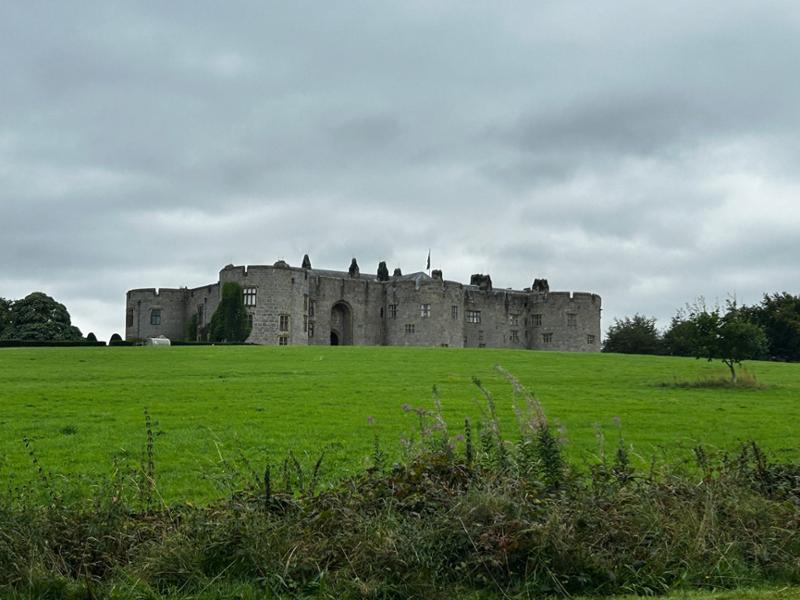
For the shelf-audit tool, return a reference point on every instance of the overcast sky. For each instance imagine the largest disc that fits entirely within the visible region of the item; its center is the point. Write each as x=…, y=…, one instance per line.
x=645, y=151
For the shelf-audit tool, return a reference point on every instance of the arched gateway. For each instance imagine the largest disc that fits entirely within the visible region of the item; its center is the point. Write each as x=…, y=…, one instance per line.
x=341, y=324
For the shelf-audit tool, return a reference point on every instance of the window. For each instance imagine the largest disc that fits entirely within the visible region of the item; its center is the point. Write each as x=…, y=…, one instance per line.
x=454, y=311
x=536, y=320
x=515, y=336
x=590, y=339
x=283, y=340
x=393, y=311
x=305, y=303
x=424, y=310
x=480, y=335
x=473, y=316
x=250, y=320
x=250, y=296
x=410, y=328
x=572, y=320
x=129, y=318
x=155, y=316
x=200, y=315
x=305, y=323
x=547, y=338
x=311, y=329
x=284, y=323
x=311, y=307
x=514, y=320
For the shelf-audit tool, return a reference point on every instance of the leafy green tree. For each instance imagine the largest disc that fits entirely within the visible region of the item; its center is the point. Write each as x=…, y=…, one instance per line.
x=383, y=271
x=230, y=322
x=633, y=335
x=115, y=338
x=91, y=337
x=728, y=337
x=779, y=316
x=40, y=317
x=678, y=338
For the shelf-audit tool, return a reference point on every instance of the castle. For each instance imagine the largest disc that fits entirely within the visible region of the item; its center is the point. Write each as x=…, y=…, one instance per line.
x=301, y=305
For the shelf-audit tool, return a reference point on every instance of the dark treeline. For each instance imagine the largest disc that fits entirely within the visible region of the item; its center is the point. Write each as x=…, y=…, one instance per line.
x=769, y=330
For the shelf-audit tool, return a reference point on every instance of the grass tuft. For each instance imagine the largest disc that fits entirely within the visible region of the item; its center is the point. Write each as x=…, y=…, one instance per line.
x=744, y=381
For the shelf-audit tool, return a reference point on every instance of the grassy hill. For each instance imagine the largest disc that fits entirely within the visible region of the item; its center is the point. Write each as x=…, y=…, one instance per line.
x=83, y=408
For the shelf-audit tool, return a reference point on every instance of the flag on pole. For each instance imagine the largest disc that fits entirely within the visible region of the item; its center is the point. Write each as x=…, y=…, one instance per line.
x=428, y=267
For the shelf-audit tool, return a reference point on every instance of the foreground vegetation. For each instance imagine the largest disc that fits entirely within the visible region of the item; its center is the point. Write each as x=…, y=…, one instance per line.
x=466, y=513
x=81, y=409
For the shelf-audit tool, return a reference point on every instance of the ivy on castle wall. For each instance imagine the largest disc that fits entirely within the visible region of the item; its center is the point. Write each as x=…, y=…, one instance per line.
x=230, y=321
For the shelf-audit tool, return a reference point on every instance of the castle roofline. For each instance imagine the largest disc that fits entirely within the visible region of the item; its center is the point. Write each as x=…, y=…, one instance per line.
x=340, y=274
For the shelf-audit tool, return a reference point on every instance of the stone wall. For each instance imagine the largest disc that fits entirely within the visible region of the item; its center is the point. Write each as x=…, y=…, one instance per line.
x=569, y=322
x=203, y=302
x=303, y=306
x=361, y=297
x=500, y=312
x=152, y=312
x=407, y=323
x=279, y=292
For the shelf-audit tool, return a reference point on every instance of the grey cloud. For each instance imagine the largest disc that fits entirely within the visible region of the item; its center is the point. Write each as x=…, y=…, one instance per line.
x=597, y=144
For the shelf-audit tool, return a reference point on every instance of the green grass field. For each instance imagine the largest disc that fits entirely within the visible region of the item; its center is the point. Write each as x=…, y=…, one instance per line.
x=82, y=408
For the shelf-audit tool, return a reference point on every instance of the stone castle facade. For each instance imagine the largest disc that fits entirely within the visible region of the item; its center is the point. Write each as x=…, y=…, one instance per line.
x=304, y=306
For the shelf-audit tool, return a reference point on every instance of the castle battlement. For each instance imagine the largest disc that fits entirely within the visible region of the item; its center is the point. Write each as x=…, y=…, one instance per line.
x=292, y=305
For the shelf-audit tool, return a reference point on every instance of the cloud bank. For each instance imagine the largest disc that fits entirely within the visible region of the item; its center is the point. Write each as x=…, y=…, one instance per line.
x=647, y=153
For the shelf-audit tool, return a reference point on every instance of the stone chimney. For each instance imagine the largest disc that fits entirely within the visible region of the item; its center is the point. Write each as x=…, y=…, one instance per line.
x=541, y=286
x=484, y=282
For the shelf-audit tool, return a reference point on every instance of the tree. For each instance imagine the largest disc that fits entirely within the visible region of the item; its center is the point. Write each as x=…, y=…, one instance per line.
x=5, y=315
x=306, y=262
x=383, y=271
x=115, y=337
x=678, y=338
x=40, y=317
x=230, y=322
x=633, y=335
x=398, y=272
x=727, y=337
x=91, y=337
x=779, y=316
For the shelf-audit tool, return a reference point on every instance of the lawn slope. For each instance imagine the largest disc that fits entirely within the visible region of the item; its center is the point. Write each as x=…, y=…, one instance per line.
x=83, y=408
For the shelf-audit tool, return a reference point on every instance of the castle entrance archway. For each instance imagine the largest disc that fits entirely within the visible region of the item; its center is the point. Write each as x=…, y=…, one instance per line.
x=341, y=324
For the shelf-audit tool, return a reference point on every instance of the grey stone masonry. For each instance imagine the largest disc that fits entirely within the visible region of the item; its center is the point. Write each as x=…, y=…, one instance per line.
x=294, y=305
